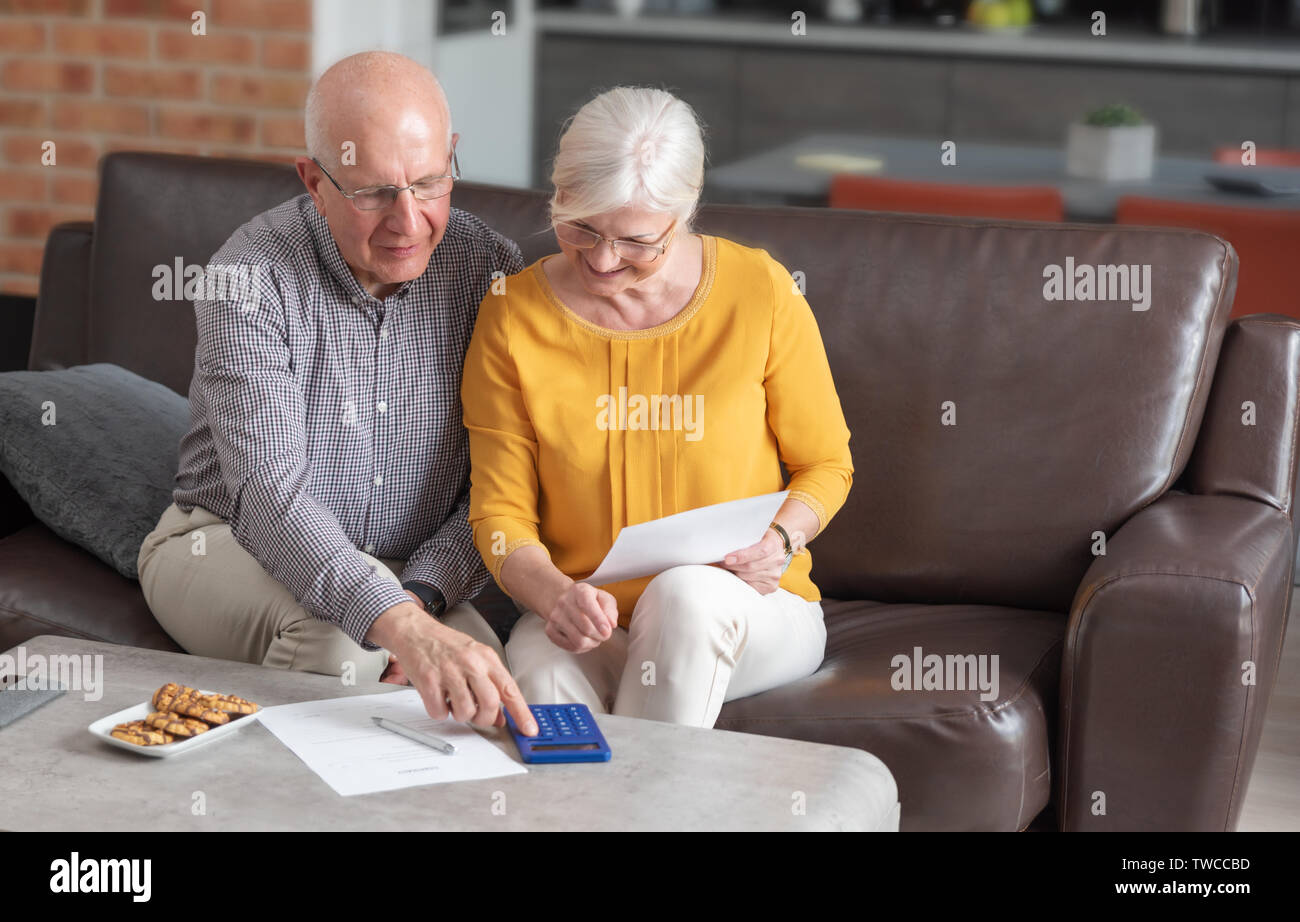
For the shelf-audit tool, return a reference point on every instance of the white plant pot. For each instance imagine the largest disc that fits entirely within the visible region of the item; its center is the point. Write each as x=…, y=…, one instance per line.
x=1124, y=152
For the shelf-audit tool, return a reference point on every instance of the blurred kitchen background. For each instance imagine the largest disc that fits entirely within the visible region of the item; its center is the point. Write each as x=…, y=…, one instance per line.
x=1182, y=112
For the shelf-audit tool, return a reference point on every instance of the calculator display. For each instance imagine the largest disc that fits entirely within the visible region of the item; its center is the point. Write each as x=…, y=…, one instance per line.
x=565, y=746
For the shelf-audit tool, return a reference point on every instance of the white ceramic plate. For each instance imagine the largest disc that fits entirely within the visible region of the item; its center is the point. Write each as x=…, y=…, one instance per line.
x=103, y=728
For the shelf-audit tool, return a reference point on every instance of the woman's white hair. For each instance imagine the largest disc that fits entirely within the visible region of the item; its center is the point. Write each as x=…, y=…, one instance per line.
x=630, y=146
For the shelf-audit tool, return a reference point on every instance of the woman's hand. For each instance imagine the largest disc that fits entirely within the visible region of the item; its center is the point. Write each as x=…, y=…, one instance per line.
x=760, y=564
x=394, y=674
x=582, y=618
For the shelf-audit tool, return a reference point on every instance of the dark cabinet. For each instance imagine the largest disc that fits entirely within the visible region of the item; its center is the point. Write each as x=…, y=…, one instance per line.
x=755, y=97
x=573, y=70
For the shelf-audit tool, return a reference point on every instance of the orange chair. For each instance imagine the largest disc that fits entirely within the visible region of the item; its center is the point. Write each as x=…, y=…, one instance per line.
x=1267, y=242
x=1263, y=156
x=870, y=193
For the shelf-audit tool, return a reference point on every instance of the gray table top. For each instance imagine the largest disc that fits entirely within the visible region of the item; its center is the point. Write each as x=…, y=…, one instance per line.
x=776, y=176
x=54, y=775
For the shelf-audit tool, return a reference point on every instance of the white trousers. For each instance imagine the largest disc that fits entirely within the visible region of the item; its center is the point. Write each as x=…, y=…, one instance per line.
x=699, y=636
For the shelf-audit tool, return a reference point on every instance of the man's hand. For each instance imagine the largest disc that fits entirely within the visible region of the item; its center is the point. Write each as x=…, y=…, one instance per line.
x=453, y=672
x=393, y=672
x=582, y=618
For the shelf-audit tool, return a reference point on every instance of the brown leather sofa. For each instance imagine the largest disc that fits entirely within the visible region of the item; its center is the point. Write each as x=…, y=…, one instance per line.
x=996, y=435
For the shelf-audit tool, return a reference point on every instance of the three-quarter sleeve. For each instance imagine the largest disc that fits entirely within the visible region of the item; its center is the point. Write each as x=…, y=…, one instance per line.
x=804, y=409
x=502, y=443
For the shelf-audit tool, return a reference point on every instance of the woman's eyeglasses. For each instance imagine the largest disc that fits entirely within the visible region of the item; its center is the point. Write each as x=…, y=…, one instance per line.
x=631, y=250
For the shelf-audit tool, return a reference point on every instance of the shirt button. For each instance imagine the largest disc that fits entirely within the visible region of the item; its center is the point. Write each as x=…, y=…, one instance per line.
x=383, y=332
x=356, y=299
x=379, y=480
x=381, y=406
x=369, y=548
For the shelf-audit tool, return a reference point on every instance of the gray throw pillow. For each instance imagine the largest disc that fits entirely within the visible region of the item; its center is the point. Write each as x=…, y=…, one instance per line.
x=93, y=451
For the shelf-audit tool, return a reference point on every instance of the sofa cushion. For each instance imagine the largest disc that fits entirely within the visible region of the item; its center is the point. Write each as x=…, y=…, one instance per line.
x=53, y=587
x=92, y=450
x=156, y=211
x=964, y=759
x=995, y=428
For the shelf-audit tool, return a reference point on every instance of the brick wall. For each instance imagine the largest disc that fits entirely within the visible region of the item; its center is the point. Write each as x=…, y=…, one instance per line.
x=95, y=76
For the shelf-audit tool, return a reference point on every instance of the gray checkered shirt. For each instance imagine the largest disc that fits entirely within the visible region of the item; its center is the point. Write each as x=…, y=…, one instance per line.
x=324, y=421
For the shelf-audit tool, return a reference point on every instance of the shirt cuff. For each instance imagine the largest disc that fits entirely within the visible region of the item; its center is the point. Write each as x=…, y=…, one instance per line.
x=432, y=597
x=370, y=601
x=497, y=561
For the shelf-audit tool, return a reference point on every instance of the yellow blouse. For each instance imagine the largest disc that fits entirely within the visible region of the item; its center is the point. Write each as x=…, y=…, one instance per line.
x=577, y=430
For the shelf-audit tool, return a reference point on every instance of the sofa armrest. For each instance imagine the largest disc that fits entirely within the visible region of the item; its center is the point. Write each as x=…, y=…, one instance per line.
x=1247, y=442
x=59, y=331
x=1156, y=717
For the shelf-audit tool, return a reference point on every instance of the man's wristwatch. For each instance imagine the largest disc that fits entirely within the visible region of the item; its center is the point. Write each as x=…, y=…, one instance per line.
x=433, y=600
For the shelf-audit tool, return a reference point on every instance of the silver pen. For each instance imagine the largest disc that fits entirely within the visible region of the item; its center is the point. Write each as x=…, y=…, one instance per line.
x=402, y=730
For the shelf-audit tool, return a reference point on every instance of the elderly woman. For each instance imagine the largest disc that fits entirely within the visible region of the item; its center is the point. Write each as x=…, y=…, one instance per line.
x=643, y=371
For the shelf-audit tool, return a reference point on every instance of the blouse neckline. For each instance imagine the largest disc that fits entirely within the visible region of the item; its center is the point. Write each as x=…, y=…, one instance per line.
x=707, y=272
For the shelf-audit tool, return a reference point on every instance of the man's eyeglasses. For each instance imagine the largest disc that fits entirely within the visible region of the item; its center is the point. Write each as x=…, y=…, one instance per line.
x=631, y=250
x=373, y=198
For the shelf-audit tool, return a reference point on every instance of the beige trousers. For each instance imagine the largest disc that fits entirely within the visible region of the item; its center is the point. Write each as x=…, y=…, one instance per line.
x=699, y=636
x=220, y=603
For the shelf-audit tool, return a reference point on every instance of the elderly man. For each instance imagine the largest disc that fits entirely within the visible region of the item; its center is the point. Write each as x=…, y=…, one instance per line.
x=319, y=520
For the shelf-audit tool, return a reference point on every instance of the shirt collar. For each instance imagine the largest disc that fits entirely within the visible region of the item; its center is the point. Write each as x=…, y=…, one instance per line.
x=328, y=252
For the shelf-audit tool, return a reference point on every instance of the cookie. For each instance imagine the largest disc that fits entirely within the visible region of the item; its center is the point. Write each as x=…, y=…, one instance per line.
x=163, y=697
x=177, y=725
x=232, y=704
x=190, y=702
x=199, y=707
x=141, y=734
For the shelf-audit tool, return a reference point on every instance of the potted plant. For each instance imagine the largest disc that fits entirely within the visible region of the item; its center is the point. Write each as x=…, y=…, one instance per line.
x=1113, y=143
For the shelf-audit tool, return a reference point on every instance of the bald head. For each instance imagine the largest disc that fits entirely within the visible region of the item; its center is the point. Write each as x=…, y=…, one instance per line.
x=379, y=98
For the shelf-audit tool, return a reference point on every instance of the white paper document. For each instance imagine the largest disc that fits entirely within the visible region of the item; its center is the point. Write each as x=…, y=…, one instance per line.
x=704, y=535
x=338, y=741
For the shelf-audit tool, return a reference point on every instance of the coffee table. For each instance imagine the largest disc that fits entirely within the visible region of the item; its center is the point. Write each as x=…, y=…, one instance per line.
x=55, y=776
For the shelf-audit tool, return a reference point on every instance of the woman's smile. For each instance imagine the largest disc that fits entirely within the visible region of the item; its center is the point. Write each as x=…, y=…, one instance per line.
x=602, y=275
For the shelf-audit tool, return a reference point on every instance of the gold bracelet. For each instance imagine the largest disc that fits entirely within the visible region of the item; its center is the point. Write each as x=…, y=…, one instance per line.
x=785, y=537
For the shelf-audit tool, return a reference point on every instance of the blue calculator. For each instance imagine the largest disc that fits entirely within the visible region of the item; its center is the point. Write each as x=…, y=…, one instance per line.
x=565, y=733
